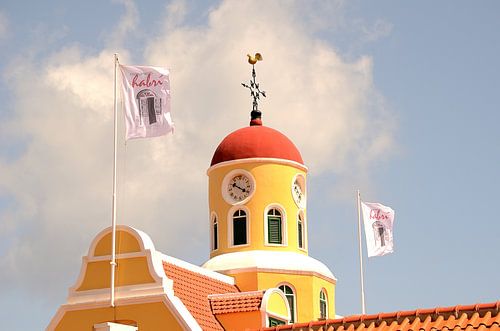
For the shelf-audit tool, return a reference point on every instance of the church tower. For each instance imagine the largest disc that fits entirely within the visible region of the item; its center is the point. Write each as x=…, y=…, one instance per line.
x=258, y=221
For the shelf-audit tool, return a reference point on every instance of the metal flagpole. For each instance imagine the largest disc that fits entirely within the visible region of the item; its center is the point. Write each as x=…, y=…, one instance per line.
x=363, y=308
x=113, y=223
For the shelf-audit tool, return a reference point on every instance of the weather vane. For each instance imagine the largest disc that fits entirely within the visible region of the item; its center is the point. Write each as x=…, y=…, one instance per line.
x=255, y=91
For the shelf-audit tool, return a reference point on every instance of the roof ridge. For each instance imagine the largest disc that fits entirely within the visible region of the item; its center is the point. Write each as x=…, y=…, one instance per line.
x=411, y=316
x=235, y=295
x=456, y=310
x=192, y=287
x=197, y=269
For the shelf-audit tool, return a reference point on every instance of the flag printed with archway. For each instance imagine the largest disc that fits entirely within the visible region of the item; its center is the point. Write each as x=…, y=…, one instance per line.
x=146, y=101
x=378, y=220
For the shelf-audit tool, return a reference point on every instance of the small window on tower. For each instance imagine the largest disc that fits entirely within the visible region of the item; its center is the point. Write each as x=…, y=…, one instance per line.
x=215, y=233
x=290, y=296
x=240, y=227
x=275, y=322
x=323, y=304
x=274, y=227
x=300, y=229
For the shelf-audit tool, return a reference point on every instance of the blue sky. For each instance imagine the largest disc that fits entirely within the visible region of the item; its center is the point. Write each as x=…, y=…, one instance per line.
x=398, y=100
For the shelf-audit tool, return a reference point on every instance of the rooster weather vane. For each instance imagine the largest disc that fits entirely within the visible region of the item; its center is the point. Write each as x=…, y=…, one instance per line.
x=255, y=91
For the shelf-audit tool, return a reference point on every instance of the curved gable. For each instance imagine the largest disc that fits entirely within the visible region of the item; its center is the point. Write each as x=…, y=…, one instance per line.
x=135, y=263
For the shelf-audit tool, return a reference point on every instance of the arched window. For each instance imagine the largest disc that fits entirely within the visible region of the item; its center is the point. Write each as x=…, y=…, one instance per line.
x=215, y=233
x=274, y=227
x=323, y=304
x=290, y=296
x=240, y=227
x=301, y=230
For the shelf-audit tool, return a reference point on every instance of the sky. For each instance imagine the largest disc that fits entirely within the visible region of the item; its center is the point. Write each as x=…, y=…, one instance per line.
x=398, y=100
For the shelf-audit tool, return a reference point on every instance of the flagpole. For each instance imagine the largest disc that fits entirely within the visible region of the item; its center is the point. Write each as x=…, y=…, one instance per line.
x=113, y=222
x=363, y=308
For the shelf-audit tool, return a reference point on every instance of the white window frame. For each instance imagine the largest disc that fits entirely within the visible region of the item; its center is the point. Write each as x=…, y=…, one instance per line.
x=213, y=215
x=294, y=308
x=230, y=221
x=284, y=228
x=265, y=314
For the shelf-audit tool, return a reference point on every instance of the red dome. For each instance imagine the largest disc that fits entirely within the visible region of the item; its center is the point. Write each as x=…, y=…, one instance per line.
x=256, y=141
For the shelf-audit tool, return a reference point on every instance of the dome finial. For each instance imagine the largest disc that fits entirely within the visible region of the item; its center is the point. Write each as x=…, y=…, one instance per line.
x=255, y=92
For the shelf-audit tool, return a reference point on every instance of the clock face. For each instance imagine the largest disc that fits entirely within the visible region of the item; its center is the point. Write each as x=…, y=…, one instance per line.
x=238, y=187
x=299, y=191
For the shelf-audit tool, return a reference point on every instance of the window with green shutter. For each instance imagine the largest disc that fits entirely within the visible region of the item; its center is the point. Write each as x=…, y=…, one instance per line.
x=274, y=227
x=275, y=322
x=215, y=231
x=299, y=234
x=290, y=296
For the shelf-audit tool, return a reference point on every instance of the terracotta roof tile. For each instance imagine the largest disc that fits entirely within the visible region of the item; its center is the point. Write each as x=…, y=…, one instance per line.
x=394, y=326
x=193, y=289
x=236, y=302
x=479, y=317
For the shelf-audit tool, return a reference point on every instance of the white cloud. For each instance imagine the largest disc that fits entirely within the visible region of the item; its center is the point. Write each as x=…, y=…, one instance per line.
x=62, y=182
x=327, y=105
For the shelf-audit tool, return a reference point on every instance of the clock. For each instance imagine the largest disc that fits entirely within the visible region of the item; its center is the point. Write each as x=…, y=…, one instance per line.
x=299, y=191
x=237, y=187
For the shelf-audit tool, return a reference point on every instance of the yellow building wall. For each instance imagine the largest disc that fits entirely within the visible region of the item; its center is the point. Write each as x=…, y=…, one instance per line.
x=307, y=289
x=132, y=270
x=247, y=281
x=129, y=271
x=273, y=185
x=124, y=243
x=148, y=316
x=240, y=320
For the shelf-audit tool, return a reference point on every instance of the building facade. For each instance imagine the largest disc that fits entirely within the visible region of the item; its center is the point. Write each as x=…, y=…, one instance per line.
x=259, y=273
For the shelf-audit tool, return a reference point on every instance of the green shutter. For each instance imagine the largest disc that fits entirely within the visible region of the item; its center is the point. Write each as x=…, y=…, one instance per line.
x=240, y=231
x=300, y=234
x=275, y=322
x=274, y=229
x=215, y=236
x=239, y=228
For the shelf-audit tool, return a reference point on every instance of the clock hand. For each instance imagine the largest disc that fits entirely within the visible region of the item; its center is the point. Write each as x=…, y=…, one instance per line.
x=242, y=189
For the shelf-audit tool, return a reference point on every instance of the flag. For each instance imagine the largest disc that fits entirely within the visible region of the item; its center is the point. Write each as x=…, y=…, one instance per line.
x=146, y=101
x=378, y=220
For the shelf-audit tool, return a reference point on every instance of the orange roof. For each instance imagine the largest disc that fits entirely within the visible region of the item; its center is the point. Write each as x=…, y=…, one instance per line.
x=192, y=289
x=236, y=302
x=479, y=317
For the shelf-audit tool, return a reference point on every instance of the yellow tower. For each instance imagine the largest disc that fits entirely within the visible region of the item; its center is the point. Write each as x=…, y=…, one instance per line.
x=258, y=220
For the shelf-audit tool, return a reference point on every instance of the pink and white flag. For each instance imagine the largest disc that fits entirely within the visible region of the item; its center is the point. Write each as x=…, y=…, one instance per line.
x=146, y=101
x=378, y=220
